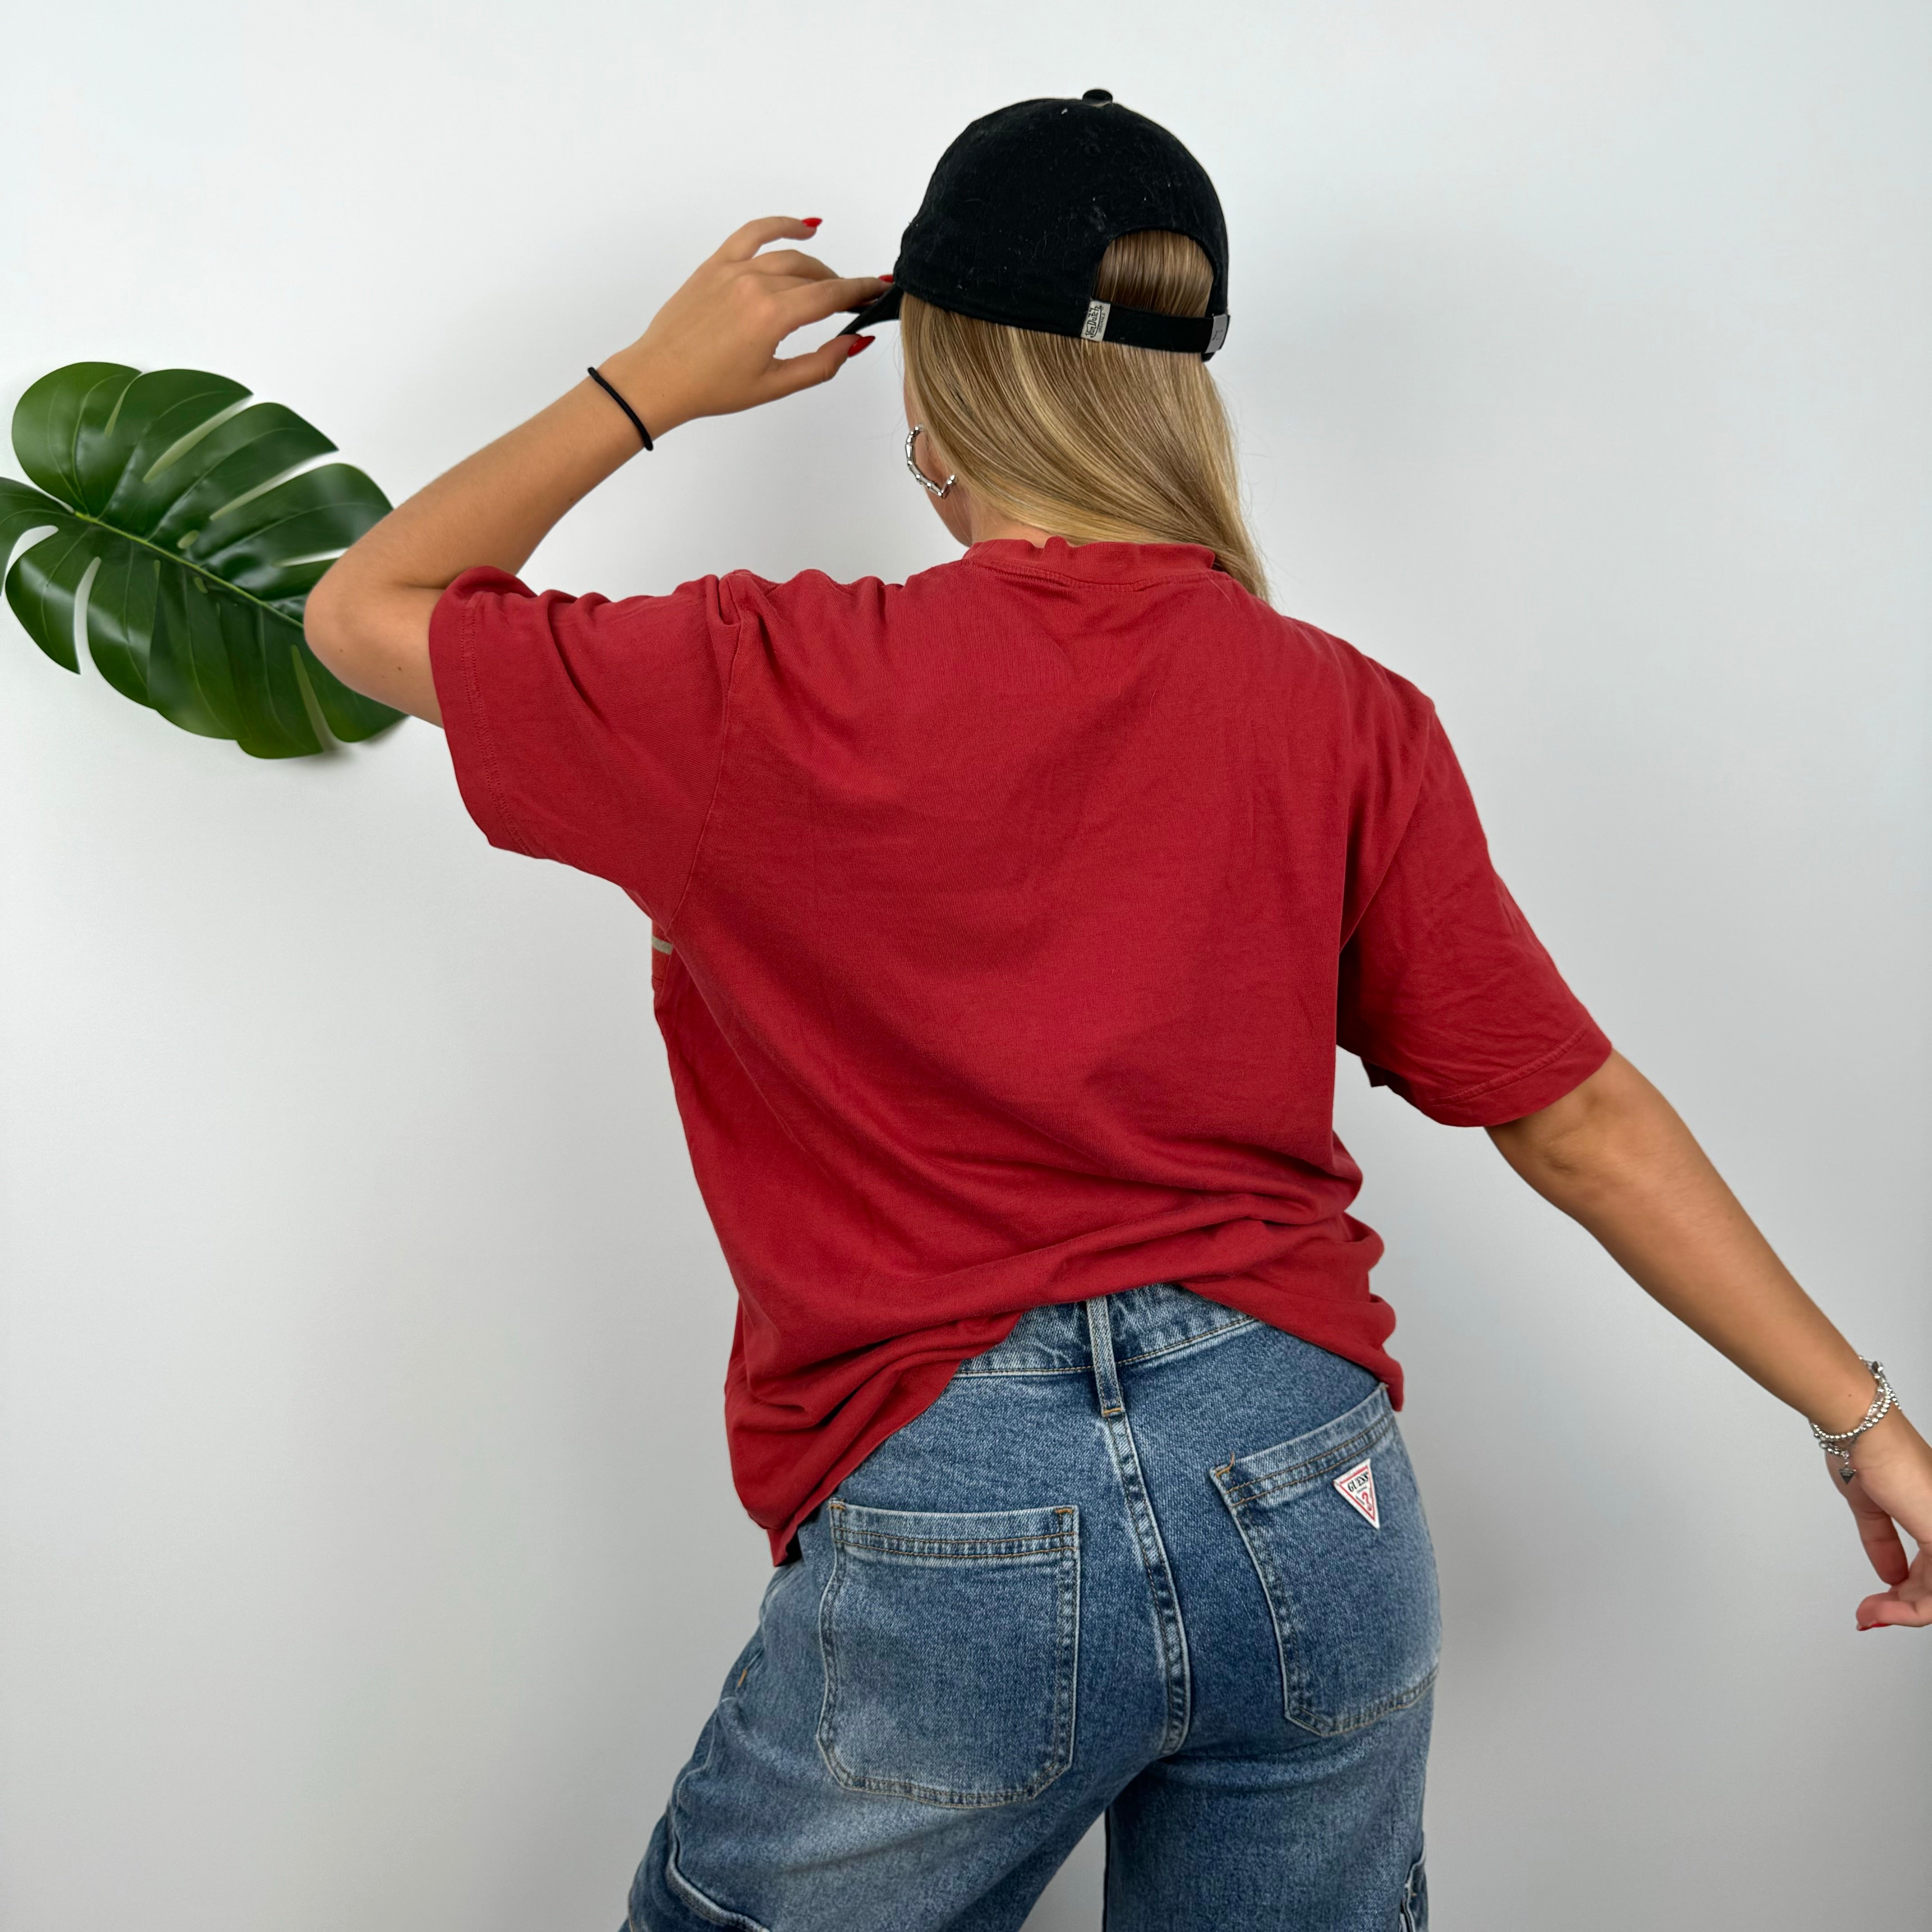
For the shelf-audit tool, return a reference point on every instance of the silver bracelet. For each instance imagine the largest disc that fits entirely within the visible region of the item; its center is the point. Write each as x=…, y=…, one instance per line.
x=1839, y=1444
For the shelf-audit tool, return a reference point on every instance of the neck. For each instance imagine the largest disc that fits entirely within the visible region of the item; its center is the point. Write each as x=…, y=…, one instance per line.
x=990, y=526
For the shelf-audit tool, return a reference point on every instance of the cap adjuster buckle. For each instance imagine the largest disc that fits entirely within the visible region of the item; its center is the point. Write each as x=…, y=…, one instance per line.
x=1155, y=331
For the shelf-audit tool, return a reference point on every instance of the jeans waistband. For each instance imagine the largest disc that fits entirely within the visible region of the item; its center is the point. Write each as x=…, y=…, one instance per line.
x=1151, y=1320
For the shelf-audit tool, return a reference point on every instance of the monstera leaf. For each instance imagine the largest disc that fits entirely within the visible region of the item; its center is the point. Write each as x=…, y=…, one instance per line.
x=182, y=549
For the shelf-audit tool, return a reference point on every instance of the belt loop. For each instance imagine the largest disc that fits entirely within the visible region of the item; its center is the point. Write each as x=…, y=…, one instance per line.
x=1100, y=1344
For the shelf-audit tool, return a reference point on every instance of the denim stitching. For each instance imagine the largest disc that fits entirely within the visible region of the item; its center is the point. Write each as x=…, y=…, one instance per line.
x=1304, y=1471
x=1075, y=1369
x=704, y=1907
x=1293, y=1686
x=1414, y=1892
x=1067, y=1553
x=1189, y=1341
x=1186, y=1341
x=1288, y=1647
x=1170, y=1631
x=1265, y=1570
x=1239, y=1498
x=964, y=1555
x=937, y=1549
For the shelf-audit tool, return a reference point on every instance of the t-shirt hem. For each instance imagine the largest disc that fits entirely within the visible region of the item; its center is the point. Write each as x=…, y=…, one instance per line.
x=1324, y=1313
x=1528, y=1090
x=911, y=1401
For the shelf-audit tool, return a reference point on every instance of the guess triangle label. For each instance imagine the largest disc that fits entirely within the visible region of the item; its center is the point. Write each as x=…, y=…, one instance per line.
x=1358, y=1487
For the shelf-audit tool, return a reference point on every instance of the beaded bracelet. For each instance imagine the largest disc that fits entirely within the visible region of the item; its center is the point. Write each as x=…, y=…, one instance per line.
x=1839, y=1444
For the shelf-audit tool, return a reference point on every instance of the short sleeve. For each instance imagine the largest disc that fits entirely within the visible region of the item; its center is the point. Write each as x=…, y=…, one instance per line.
x=587, y=731
x=1445, y=993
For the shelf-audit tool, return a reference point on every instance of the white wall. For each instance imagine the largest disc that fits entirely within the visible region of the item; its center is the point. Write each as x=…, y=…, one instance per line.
x=369, y=1556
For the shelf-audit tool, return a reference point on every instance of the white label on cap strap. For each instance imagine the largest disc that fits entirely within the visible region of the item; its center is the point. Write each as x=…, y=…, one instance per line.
x=1358, y=1487
x=1218, y=334
x=1094, y=329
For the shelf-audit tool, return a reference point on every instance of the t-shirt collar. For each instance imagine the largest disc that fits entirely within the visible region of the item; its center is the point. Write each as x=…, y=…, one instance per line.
x=1093, y=563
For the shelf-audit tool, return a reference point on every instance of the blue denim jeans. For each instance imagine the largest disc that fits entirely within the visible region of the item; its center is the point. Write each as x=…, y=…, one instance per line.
x=1147, y=1558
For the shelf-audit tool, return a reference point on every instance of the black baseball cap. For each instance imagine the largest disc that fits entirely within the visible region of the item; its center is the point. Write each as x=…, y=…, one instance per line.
x=1021, y=209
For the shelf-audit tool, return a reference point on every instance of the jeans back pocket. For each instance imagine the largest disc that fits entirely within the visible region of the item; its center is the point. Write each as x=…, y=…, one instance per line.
x=951, y=1646
x=1334, y=1524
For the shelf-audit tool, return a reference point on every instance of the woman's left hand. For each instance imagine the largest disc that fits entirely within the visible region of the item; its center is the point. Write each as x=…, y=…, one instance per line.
x=712, y=349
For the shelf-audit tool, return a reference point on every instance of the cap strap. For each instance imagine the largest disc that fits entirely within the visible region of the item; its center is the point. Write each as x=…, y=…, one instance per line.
x=1148, y=328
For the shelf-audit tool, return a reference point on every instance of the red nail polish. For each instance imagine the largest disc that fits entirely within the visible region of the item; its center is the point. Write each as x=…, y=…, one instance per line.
x=813, y=220
x=862, y=342
x=882, y=278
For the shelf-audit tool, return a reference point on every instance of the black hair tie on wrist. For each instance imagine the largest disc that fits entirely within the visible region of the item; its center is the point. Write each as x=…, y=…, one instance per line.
x=637, y=420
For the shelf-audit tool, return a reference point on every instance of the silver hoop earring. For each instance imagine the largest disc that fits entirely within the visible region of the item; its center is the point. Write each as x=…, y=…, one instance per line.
x=919, y=475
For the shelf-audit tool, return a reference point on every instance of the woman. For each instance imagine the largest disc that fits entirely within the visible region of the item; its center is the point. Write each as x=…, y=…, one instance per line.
x=1006, y=922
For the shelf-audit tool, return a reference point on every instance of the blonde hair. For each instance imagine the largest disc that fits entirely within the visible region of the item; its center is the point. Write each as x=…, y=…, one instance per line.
x=1091, y=440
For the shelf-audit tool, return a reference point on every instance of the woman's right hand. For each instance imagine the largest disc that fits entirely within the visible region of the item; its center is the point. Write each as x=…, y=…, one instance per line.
x=1891, y=1491
x=1613, y=1153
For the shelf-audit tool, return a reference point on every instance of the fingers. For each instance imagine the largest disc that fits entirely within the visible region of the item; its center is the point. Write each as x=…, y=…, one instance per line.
x=1909, y=1601
x=743, y=243
x=1877, y=1612
x=818, y=300
x=1886, y=1551
x=790, y=373
x=1910, y=1607
x=1879, y=1535
x=791, y=262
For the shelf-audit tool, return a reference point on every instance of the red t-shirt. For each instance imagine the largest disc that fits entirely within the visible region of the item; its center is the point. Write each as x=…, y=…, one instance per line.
x=1007, y=921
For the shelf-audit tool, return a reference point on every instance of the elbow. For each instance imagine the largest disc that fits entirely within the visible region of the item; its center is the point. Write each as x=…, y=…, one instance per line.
x=326, y=624
x=342, y=620
x=1565, y=1144
x=1595, y=1142
x=373, y=636
x=1574, y=1170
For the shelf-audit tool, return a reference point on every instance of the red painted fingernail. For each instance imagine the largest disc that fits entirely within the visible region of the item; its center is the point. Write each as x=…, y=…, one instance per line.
x=882, y=278
x=813, y=220
x=862, y=342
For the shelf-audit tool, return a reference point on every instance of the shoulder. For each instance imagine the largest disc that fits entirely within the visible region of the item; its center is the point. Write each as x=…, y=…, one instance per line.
x=1364, y=689
x=811, y=596
x=823, y=620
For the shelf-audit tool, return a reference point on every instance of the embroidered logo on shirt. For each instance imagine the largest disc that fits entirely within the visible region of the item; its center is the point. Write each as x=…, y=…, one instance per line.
x=1358, y=1487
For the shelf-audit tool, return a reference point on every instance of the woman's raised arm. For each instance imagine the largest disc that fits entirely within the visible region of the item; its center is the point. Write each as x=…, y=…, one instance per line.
x=711, y=350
